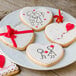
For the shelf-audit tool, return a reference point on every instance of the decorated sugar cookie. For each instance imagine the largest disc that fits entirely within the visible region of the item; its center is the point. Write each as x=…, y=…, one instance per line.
x=18, y=37
x=7, y=68
x=36, y=18
x=45, y=55
x=63, y=34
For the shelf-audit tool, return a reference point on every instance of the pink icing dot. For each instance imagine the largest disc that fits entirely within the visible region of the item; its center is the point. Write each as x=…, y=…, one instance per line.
x=36, y=26
x=45, y=51
x=48, y=12
x=58, y=38
x=44, y=18
x=23, y=14
x=64, y=33
x=52, y=46
x=33, y=9
x=12, y=69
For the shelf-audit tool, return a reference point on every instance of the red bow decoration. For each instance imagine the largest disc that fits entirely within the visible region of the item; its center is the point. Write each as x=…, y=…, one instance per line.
x=11, y=34
x=59, y=18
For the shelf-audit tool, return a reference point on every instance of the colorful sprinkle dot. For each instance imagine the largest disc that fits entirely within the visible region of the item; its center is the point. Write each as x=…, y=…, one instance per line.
x=23, y=14
x=48, y=12
x=58, y=38
x=52, y=46
x=36, y=26
x=44, y=18
x=33, y=9
x=64, y=33
x=11, y=69
x=45, y=51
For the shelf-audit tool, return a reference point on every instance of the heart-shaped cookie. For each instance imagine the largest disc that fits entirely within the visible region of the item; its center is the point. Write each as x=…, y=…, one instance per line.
x=19, y=36
x=63, y=33
x=36, y=18
x=45, y=55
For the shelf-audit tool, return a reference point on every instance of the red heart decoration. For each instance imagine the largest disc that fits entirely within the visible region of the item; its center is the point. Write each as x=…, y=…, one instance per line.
x=2, y=61
x=69, y=26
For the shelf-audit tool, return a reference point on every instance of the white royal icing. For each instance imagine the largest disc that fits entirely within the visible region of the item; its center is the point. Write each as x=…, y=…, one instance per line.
x=36, y=17
x=58, y=33
x=8, y=66
x=37, y=52
x=22, y=39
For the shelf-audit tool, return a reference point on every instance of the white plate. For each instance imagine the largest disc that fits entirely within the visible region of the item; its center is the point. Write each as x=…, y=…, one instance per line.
x=20, y=58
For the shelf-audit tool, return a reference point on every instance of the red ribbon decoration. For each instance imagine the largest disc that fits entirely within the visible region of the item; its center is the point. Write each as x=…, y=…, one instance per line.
x=11, y=34
x=59, y=17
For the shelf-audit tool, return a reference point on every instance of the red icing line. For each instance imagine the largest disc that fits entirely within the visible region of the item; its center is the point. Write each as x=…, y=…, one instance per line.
x=14, y=43
x=69, y=26
x=2, y=61
x=11, y=34
x=22, y=32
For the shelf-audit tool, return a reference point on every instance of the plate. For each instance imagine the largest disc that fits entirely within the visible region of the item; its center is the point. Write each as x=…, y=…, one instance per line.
x=20, y=57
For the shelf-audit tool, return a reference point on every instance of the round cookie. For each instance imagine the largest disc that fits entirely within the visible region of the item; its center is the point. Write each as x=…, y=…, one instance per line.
x=36, y=18
x=63, y=33
x=7, y=67
x=19, y=38
x=45, y=55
